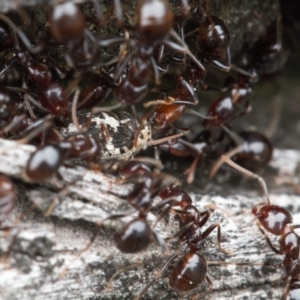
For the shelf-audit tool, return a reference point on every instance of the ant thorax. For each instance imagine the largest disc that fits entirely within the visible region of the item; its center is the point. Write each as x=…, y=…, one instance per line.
x=120, y=134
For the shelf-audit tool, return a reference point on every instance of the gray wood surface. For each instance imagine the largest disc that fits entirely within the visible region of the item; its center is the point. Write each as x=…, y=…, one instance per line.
x=43, y=264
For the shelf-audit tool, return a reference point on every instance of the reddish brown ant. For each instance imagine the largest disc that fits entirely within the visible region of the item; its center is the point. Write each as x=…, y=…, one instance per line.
x=192, y=269
x=278, y=221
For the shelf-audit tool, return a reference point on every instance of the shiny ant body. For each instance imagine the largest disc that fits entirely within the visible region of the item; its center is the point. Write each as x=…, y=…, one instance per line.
x=278, y=221
x=233, y=104
x=68, y=26
x=152, y=29
x=249, y=149
x=191, y=270
x=137, y=234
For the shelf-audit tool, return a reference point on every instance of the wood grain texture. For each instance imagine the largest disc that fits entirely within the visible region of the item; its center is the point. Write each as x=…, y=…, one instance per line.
x=44, y=247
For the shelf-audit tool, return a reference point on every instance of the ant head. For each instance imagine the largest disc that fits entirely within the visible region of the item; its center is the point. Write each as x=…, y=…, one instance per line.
x=272, y=217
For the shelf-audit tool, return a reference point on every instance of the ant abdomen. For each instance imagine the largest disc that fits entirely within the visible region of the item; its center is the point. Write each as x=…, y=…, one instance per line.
x=66, y=22
x=189, y=272
x=135, y=237
x=44, y=162
x=153, y=26
x=53, y=98
x=256, y=152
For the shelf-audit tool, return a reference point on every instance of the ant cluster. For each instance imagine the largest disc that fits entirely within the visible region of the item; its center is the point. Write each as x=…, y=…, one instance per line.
x=58, y=106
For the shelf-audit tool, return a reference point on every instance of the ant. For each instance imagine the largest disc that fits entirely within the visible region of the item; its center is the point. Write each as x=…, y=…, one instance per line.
x=67, y=25
x=138, y=234
x=231, y=105
x=269, y=53
x=192, y=268
x=152, y=29
x=173, y=107
x=278, y=221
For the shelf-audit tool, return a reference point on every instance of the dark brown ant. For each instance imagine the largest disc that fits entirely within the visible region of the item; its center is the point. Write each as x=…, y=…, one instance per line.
x=191, y=270
x=231, y=105
x=47, y=159
x=151, y=30
x=249, y=149
x=38, y=72
x=277, y=220
x=137, y=234
x=269, y=53
x=256, y=152
x=214, y=42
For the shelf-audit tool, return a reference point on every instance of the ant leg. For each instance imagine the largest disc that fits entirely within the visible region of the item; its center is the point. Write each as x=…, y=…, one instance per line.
x=182, y=230
x=158, y=275
x=208, y=231
x=206, y=214
x=29, y=107
x=168, y=101
x=161, y=241
x=7, y=65
x=244, y=171
x=156, y=71
x=16, y=32
x=161, y=53
x=184, y=48
x=109, y=283
x=29, y=98
x=12, y=124
x=74, y=109
x=190, y=172
x=98, y=9
x=211, y=287
x=220, y=66
x=168, y=138
x=226, y=158
x=196, y=113
x=240, y=143
x=112, y=41
x=94, y=236
x=119, y=14
x=47, y=123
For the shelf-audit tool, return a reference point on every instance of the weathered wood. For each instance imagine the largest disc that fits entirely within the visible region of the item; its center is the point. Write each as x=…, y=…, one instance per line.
x=46, y=246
